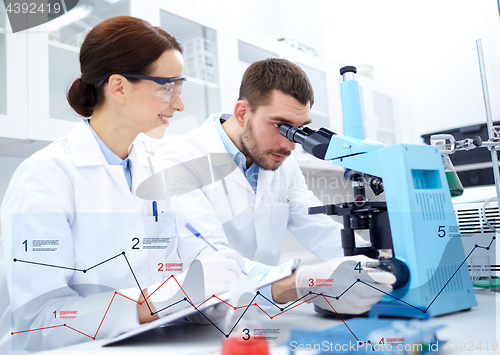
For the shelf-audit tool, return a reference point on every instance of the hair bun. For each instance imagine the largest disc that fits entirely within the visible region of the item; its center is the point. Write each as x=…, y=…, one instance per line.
x=82, y=97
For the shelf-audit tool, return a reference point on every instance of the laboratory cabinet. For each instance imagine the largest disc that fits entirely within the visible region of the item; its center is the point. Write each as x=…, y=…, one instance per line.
x=38, y=65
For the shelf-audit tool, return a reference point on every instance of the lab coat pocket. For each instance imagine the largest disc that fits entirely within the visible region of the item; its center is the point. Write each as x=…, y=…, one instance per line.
x=279, y=224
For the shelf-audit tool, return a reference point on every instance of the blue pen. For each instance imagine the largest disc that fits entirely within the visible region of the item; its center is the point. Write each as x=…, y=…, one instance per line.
x=198, y=234
x=155, y=211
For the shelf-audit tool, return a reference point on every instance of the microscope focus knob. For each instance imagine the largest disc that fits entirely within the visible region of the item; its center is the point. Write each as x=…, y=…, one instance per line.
x=398, y=269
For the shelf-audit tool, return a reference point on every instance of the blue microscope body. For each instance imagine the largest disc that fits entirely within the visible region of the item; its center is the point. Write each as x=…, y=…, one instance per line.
x=424, y=229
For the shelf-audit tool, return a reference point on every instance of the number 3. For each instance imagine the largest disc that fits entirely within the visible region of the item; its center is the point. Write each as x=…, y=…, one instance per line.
x=246, y=331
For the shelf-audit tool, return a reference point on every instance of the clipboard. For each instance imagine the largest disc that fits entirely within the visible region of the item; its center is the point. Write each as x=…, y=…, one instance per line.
x=273, y=275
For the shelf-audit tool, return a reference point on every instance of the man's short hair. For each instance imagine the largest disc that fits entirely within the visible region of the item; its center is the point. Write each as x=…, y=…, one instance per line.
x=263, y=76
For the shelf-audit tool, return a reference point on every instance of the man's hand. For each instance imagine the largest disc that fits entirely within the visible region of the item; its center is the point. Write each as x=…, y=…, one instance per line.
x=335, y=276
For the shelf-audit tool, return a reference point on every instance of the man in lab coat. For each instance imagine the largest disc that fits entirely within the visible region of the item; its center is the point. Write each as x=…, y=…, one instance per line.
x=233, y=179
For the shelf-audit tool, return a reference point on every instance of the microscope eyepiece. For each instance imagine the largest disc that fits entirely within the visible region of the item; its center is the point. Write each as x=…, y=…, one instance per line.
x=293, y=134
x=313, y=142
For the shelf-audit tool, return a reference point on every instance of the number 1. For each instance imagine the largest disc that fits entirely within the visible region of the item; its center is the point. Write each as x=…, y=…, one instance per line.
x=55, y=312
x=25, y=245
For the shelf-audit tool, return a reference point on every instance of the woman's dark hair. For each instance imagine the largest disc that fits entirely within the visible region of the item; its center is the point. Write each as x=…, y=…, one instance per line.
x=121, y=44
x=263, y=76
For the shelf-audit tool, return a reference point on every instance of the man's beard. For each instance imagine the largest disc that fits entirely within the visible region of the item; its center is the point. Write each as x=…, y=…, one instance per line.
x=258, y=159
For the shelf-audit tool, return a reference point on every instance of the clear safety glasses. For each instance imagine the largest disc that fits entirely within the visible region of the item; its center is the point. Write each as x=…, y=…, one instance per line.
x=165, y=88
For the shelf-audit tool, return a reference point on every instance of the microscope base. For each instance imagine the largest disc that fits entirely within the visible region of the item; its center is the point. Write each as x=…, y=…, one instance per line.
x=396, y=310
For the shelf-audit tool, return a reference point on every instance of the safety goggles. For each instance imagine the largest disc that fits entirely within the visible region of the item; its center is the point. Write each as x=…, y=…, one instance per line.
x=165, y=88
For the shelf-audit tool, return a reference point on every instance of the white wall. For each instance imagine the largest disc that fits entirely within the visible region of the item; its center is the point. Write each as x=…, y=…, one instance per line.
x=272, y=18
x=426, y=51
x=7, y=167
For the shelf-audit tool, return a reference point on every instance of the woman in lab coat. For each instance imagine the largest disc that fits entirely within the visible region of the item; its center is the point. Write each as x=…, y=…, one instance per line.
x=78, y=244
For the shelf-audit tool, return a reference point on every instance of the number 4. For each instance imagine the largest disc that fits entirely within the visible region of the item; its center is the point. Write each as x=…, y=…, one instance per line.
x=358, y=267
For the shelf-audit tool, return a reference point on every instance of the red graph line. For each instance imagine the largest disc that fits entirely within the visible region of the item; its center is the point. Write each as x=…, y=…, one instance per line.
x=254, y=304
x=264, y=311
x=298, y=304
x=346, y=324
x=220, y=299
x=208, y=300
x=182, y=289
x=151, y=294
x=118, y=293
x=76, y=330
x=105, y=314
x=32, y=330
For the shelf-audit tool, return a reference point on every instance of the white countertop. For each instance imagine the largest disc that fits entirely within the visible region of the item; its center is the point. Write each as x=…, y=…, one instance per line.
x=470, y=329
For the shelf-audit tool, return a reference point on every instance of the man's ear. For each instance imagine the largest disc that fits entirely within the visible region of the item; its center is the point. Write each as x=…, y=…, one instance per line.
x=116, y=88
x=241, y=110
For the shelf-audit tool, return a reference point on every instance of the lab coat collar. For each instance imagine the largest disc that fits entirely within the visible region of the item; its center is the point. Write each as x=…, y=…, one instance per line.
x=214, y=144
x=214, y=141
x=140, y=167
x=84, y=147
x=86, y=153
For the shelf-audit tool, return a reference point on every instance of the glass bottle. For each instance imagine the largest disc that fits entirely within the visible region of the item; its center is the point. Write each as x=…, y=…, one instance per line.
x=456, y=187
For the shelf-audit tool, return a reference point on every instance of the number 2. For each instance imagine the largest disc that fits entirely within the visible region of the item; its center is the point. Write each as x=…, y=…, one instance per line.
x=160, y=266
x=135, y=245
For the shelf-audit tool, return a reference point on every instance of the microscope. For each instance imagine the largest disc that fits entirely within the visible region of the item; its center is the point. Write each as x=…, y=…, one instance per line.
x=416, y=223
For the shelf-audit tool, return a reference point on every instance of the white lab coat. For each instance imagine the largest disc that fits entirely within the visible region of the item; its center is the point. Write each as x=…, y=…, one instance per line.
x=68, y=193
x=228, y=211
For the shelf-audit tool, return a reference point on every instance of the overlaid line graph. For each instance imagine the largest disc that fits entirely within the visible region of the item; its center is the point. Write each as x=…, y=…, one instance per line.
x=282, y=309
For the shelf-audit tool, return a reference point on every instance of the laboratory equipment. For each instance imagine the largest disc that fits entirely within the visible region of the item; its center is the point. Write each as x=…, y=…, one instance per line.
x=381, y=336
x=456, y=187
x=416, y=223
x=474, y=229
x=477, y=221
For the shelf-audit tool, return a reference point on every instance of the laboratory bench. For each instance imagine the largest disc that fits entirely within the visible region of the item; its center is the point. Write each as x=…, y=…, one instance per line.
x=472, y=330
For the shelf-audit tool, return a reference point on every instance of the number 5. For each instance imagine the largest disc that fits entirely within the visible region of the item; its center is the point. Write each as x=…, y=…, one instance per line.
x=441, y=232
